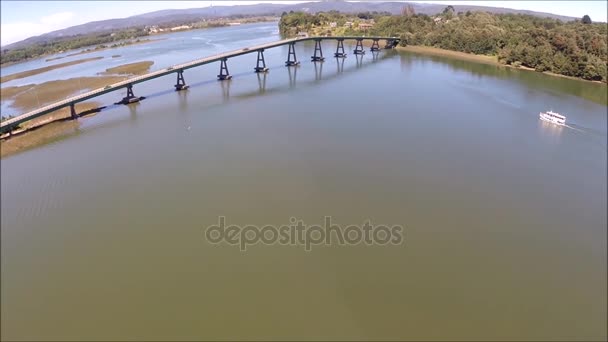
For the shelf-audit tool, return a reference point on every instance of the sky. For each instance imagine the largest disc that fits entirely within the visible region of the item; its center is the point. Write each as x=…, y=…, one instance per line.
x=23, y=19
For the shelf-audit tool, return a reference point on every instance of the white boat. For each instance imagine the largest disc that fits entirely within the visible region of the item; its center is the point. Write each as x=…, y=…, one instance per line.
x=552, y=117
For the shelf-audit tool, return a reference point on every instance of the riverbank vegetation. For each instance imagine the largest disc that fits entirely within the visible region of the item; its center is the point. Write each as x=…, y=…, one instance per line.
x=137, y=68
x=59, y=45
x=576, y=49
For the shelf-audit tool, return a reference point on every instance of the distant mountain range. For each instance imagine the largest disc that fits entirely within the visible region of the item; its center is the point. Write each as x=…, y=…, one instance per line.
x=192, y=14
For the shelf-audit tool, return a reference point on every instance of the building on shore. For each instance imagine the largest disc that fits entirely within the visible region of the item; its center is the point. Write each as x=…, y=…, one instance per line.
x=183, y=27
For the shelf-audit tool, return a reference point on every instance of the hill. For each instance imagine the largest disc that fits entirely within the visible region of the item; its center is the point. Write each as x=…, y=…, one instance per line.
x=185, y=15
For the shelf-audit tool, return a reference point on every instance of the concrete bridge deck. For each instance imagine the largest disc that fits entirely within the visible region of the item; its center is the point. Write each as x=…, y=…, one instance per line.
x=8, y=125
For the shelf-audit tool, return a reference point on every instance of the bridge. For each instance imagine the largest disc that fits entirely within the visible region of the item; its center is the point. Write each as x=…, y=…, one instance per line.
x=9, y=125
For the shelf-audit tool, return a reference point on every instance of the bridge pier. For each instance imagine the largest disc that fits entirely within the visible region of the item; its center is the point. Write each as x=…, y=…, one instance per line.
x=73, y=113
x=340, y=49
x=391, y=43
x=263, y=67
x=224, y=75
x=318, y=57
x=292, y=53
x=130, y=98
x=375, y=46
x=359, y=48
x=181, y=83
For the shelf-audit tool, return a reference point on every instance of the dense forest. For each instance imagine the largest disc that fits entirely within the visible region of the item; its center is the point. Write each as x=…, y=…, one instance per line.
x=577, y=48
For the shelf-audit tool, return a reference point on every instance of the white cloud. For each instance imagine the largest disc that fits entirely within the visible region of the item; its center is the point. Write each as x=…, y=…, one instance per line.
x=14, y=32
x=57, y=18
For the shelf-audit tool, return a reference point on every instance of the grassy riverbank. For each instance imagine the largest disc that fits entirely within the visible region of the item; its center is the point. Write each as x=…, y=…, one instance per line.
x=427, y=50
x=138, y=68
x=32, y=96
x=492, y=60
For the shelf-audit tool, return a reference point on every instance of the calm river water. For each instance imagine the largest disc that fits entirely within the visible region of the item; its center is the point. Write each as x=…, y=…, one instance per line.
x=504, y=216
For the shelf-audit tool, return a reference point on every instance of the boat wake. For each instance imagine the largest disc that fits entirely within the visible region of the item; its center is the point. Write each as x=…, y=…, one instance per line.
x=575, y=128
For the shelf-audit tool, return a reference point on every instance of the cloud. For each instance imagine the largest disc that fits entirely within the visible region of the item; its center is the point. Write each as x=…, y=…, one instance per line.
x=57, y=18
x=14, y=32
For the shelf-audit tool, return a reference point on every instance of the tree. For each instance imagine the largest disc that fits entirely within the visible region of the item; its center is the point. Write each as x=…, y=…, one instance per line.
x=408, y=10
x=586, y=19
x=449, y=11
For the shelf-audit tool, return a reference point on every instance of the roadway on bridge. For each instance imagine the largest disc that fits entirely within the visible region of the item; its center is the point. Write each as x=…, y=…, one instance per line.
x=13, y=122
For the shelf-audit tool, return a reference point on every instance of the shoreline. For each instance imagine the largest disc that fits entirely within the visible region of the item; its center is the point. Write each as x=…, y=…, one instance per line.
x=32, y=72
x=84, y=50
x=491, y=60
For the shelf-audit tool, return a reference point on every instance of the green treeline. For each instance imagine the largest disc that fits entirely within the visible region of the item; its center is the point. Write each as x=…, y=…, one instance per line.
x=577, y=48
x=69, y=43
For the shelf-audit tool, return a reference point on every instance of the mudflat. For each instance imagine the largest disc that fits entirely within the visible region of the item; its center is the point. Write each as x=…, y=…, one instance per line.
x=45, y=69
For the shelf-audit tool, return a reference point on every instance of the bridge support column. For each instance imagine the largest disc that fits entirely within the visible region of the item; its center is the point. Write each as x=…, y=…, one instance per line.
x=73, y=113
x=181, y=83
x=318, y=56
x=291, y=56
x=359, y=48
x=130, y=98
x=262, y=67
x=375, y=46
x=340, y=49
x=224, y=75
x=391, y=43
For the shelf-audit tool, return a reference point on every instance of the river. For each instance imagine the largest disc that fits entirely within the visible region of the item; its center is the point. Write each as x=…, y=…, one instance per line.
x=504, y=216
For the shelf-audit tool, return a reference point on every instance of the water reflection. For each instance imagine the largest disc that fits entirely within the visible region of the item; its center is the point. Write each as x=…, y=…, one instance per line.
x=133, y=110
x=226, y=89
x=534, y=81
x=318, y=71
x=183, y=99
x=292, y=76
x=262, y=82
x=551, y=132
x=375, y=55
x=359, y=60
x=340, y=65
